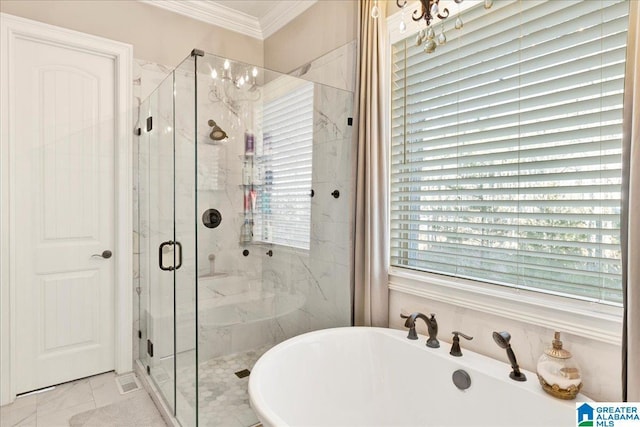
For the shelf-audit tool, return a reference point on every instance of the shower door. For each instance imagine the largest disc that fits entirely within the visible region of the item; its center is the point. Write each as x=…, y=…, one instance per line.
x=167, y=242
x=159, y=252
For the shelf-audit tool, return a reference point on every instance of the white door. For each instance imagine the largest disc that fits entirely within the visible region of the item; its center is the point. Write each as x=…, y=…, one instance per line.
x=63, y=204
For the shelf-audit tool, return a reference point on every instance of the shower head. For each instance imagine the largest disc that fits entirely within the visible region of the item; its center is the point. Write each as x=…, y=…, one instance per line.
x=502, y=338
x=217, y=134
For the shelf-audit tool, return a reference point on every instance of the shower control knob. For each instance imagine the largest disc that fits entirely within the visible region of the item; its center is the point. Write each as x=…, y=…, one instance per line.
x=335, y=194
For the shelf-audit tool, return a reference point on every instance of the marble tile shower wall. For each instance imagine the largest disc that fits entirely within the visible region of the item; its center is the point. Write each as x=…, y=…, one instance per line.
x=323, y=274
x=336, y=68
x=220, y=187
x=223, y=321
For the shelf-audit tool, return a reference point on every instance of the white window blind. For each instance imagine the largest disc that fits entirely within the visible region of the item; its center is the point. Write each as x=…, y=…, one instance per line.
x=286, y=164
x=506, y=148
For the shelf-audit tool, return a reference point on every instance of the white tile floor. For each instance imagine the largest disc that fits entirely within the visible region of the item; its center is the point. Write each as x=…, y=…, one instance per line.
x=55, y=407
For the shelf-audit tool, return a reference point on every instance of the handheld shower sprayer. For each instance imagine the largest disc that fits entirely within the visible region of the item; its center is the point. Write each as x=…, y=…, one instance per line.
x=502, y=339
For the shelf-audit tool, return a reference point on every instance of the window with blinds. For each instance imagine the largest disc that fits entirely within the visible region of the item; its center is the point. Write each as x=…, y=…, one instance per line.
x=286, y=163
x=506, y=148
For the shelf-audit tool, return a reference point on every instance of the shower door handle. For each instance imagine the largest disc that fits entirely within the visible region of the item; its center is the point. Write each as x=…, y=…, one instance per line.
x=162, y=245
x=179, y=255
x=169, y=243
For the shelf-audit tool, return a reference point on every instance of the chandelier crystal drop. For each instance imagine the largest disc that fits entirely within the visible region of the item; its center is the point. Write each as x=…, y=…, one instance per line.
x=430, y=46
x=430, y=33
x=442, y=39
x=375, y=10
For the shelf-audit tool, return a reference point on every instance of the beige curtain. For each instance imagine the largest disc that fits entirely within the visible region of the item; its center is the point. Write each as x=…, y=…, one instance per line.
x=370, y=296
x=631, y=215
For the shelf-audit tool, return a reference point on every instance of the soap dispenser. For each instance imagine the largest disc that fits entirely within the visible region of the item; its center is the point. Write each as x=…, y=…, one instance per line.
x=557, y=372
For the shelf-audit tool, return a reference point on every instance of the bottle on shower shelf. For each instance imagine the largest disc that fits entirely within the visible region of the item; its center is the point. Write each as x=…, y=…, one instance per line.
x=247, y=173
x=253, y=196
x=246, y=232
x=247, y=201
x=249, y=144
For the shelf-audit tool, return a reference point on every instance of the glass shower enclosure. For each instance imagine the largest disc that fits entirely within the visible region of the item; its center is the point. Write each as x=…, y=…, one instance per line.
x=244, y=193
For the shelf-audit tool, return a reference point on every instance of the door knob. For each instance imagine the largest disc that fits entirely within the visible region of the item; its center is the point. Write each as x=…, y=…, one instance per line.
x=105, y=254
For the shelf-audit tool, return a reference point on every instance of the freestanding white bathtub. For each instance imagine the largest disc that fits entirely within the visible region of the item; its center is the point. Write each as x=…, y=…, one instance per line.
x=377, y=377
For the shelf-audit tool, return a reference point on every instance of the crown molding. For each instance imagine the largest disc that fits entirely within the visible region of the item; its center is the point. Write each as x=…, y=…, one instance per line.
x=222, y=16
x=281, y=14
x=212, y=13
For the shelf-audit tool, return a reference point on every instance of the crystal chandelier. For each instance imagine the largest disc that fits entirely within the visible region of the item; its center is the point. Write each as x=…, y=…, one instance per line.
x=430, y=9
x=238, y=80
x=233, y=84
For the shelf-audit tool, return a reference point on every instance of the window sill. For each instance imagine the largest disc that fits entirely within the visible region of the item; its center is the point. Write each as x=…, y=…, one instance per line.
x=582, y=318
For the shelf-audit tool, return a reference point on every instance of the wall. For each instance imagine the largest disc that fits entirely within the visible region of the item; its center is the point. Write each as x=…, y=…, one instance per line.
x=323, y=27
x=157, y=35
x=600, y=362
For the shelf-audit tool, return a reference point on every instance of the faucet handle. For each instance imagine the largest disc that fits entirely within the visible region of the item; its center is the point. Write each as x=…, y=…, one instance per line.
x=455, y=345
x=413, y=335
x=465, y=336
x=432, y=330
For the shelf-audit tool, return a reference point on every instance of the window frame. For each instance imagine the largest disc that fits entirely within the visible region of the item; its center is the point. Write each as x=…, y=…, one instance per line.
x=593, y=320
